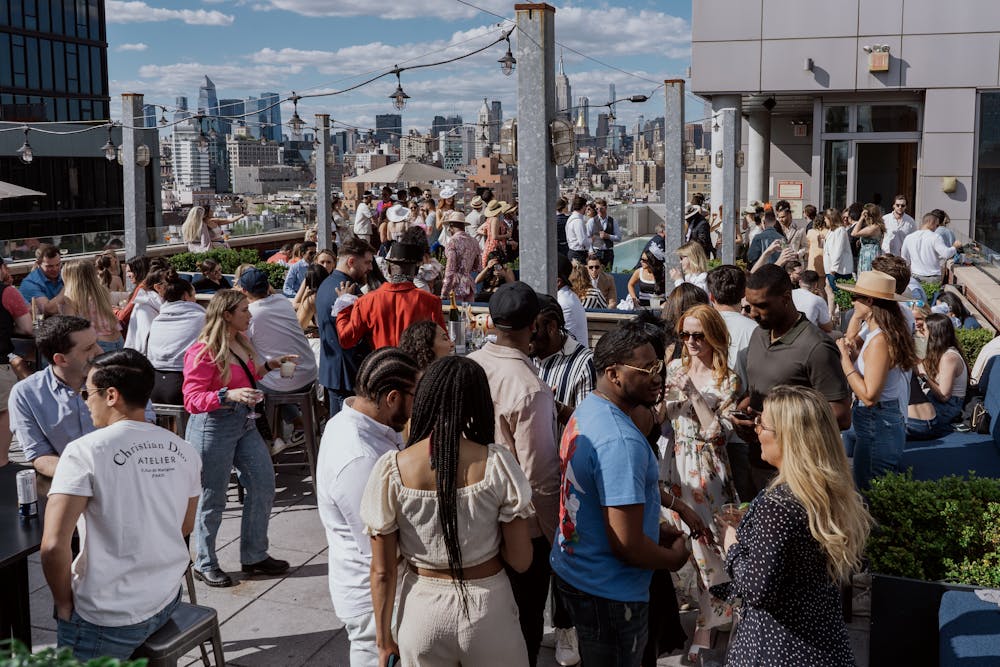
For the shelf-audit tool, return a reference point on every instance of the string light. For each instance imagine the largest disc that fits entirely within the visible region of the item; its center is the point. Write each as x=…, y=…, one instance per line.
x=24, y=152
x=508, y=61
x=295, y=123
x=399, y=97
x=110, y=152
x=163, y=116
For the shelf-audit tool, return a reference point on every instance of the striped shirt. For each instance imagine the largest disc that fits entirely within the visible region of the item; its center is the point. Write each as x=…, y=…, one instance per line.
x=570, y=371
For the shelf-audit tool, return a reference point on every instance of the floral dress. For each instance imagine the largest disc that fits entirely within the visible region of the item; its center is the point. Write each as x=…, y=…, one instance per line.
x=698, y=473
x=871, y=247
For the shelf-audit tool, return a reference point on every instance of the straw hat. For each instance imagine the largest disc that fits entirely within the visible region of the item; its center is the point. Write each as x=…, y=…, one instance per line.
x=477, y=202
x=495, y=208
x=876, y=285
x=397, y=213
x=456, y=218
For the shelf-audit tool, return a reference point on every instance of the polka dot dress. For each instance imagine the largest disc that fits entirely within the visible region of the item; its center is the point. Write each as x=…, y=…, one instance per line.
x=791, y=613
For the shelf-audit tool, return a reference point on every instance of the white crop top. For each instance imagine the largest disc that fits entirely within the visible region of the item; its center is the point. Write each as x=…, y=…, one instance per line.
x=502, y=495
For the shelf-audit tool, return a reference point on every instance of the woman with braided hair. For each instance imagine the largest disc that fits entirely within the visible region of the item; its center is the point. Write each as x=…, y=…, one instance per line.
x=456, y=506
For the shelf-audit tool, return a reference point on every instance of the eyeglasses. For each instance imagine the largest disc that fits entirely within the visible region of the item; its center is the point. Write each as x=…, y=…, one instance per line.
x=85, y=393
x=652, y=370
x=595, y=267
x=759, y=426
x=696, y=336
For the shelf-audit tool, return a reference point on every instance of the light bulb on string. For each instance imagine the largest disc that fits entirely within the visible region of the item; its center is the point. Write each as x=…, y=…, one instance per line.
x=24, y=152
x=295, y=123
x=163, y=116
x=110, y=151
x=508, y=62
x=399, y=97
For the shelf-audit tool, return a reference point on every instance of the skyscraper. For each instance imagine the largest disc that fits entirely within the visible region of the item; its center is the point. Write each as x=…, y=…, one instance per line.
x=496, y=119
x=208, y=101
x=181, y=111
x=602, y=128
x=149, y=115
x=564, y=95
x=388, y=128
x=271, y=118
x=483, y=143
x=583, y=105
x=231, y=109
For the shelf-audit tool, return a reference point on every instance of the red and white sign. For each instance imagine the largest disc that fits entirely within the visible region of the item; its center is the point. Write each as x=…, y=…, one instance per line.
x=789, y=189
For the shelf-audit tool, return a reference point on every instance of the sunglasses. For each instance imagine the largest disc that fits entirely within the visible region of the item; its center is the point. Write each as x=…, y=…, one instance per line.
x=85, y=394
x=696, y=336
x=655, y=369
x=594, y=267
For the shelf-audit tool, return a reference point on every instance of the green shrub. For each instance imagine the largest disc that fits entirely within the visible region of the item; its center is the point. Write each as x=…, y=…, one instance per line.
x=15, y=654
x=228, y=258
x=843, y=297
x=972, y=341
x=275, y=273
x=945, y=529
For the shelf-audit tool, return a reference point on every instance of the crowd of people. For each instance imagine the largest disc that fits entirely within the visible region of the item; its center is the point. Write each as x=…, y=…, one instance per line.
x=735, y=428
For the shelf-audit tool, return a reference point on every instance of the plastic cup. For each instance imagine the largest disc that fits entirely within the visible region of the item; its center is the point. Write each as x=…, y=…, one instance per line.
x=731, y=514
x=287, y=369
x=920, y=346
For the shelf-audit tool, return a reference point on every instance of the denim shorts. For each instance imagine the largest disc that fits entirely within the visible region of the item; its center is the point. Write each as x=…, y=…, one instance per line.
x=88, y=640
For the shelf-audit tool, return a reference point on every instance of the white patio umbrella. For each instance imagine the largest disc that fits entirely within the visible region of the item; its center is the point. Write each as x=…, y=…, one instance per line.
x=9, y=191
x=405, y=171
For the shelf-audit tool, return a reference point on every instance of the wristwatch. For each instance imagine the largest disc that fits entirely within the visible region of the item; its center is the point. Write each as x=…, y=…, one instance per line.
x=223, y=393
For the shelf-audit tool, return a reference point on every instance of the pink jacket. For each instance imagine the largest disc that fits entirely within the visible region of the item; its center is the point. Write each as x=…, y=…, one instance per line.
x=202, y=380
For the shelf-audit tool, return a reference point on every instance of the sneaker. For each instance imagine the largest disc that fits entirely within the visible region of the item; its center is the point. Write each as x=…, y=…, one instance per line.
x=567, y=652
x=298, y=439
x=279, y=445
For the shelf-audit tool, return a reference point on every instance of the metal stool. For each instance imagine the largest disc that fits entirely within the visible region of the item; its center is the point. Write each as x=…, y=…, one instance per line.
x=175, y=412
x=306, y=402
x=189, y=626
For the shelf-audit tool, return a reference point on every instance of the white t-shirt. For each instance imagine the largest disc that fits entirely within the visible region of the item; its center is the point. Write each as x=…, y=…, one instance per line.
x=139, y=478
x=925, y=251
x=275, y=331
x=352, y=444
x=363, y=220
x=813, y=307
x=740, y=329
x=574, y=314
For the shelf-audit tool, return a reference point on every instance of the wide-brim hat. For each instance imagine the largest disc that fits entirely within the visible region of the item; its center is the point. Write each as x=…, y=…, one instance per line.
x=477, y=202
x=691, y=211
x=397, y=213
x=405, y=253
x=456, y=218
x=495, y=208
x=877, y=285
x=447, y=193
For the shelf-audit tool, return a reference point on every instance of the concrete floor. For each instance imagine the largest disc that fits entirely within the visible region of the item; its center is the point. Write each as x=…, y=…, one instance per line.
x=289, y=621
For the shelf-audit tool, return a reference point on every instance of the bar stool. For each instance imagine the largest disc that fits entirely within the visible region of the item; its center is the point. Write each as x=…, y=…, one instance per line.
x=189, y=626
x=177, y=413
x=305, y=400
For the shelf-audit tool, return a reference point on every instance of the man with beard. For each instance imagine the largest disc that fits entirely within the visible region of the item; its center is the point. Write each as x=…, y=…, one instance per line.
x=785, y=349
x=610, y=538
x=368, y=426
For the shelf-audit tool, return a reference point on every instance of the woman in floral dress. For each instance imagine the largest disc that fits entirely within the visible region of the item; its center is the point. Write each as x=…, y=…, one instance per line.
x=701, y=395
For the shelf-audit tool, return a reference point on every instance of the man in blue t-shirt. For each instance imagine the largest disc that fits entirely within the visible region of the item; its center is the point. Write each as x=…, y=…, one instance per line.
x=610, y=539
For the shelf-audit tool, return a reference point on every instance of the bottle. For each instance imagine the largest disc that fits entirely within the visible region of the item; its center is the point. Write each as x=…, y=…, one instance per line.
x=453, y=315
x=456, y=329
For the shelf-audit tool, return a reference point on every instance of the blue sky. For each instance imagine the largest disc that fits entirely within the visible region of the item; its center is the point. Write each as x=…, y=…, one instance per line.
x=164, y=48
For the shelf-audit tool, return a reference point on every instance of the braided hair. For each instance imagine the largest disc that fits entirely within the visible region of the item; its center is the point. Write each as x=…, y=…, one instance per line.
x=384, y=370
x=453, y=401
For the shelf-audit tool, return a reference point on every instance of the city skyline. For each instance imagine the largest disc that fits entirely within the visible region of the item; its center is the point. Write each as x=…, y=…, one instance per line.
x=310, y=46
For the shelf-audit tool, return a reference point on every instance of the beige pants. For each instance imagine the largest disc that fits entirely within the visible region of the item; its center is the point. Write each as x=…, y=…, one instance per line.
x=433, y=630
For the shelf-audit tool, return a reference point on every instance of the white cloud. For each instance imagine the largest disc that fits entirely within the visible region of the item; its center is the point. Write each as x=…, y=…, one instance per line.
x=132, y=47
x=386, y=9
x=134, y=11
x=620, y=31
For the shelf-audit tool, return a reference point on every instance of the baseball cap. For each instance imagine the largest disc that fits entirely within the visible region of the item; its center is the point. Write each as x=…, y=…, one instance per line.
x=254, y=281
x=513, y=306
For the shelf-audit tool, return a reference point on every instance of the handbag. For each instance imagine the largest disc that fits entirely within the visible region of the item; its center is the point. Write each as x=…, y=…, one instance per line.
x=263, y=427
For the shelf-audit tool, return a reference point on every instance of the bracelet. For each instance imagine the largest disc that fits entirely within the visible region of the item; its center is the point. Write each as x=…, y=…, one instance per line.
x=851, y=373
x=673, y=499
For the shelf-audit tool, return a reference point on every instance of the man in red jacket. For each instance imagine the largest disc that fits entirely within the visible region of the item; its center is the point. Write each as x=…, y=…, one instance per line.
x=385, y=313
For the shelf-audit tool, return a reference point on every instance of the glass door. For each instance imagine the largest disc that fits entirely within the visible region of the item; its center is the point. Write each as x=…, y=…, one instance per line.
x=883, y=170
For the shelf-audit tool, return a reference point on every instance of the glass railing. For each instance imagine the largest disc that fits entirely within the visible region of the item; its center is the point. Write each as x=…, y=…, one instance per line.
x=95, y=242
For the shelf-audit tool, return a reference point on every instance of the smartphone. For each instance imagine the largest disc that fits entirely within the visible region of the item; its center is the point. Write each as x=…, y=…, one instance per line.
x=393, y=661
x=743, y=416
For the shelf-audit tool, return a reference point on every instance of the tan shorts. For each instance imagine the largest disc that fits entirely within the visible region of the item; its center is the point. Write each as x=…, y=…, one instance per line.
x=7, y=380
x=433, y=629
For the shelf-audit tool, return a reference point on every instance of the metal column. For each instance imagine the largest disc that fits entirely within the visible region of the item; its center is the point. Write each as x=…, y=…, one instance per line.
x=673, y=172
x=759, y=156
x=134, y=176
x=537, y=189
x=324, y=234
x=730, y=199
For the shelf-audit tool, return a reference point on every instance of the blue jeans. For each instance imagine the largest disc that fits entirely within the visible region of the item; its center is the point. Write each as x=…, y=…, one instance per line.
x=611, y=633
x=111, y=347
x=90, y=641
x=225, y=438
x=335, y=400
x=945, y=414
x=880, y=432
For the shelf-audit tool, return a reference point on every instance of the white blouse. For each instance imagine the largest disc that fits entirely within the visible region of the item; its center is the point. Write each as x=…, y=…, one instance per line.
x=502, y=495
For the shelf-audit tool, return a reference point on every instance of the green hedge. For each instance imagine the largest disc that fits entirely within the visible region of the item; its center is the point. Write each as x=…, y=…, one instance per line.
x=972, y=341
x=15, y=654
x=275, y=273
x=945, y=529
x=229, y=259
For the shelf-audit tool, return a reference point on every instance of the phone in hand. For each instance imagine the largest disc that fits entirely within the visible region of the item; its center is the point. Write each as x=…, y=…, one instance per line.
x=743, y=416
x=393, y=661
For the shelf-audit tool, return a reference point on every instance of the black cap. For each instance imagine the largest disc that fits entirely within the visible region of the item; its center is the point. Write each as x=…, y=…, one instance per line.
x=254, y=281
x=513, y=306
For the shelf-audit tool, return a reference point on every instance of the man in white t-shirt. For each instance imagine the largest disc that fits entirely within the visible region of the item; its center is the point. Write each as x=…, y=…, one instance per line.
x=363, y=225
x=132, y=489
x=275, y=331
x=807, y=302
x=577, y=239
x=368, y=426
x=898, y=225
x=925, y=250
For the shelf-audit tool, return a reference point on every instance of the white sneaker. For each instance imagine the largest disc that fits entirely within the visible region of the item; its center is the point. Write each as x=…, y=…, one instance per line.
x=279, y=446
x=567, y=651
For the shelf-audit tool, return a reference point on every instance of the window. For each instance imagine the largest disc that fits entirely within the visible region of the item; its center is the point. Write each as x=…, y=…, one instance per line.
x=57, y=16
x=95, y=20
x=45, y=60
x=72, y=69
x=97, y=71
x=44, y=21
x=6, y=71
x=987, y=221
x=835, y=174
x=888, y=118
x=31, y=52
x=30, y=14
x=59, y=66
x=18, y=60
x=835, y=119
x=16, y=16
x=85, y=69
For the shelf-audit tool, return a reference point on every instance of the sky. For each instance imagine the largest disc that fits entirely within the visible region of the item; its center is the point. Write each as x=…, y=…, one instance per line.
x=165, y=48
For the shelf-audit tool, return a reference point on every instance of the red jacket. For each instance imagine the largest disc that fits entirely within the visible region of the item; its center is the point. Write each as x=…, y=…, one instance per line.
x=385, y=313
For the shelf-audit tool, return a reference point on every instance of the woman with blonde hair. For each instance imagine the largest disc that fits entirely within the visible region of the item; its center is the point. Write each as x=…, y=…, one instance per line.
x=201, y=232
x=694, y=266
x=220, y=392
x=86, y=296
x=801, y=539
x=701, y=395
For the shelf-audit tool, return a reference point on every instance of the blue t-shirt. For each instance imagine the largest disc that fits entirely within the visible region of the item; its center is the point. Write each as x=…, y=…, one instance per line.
x=36, y=284
x=606, y=462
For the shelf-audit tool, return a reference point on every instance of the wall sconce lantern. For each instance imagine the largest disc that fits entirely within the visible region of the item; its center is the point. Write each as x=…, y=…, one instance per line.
x=878, y=57
x=949, y=184
x=718, y=159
